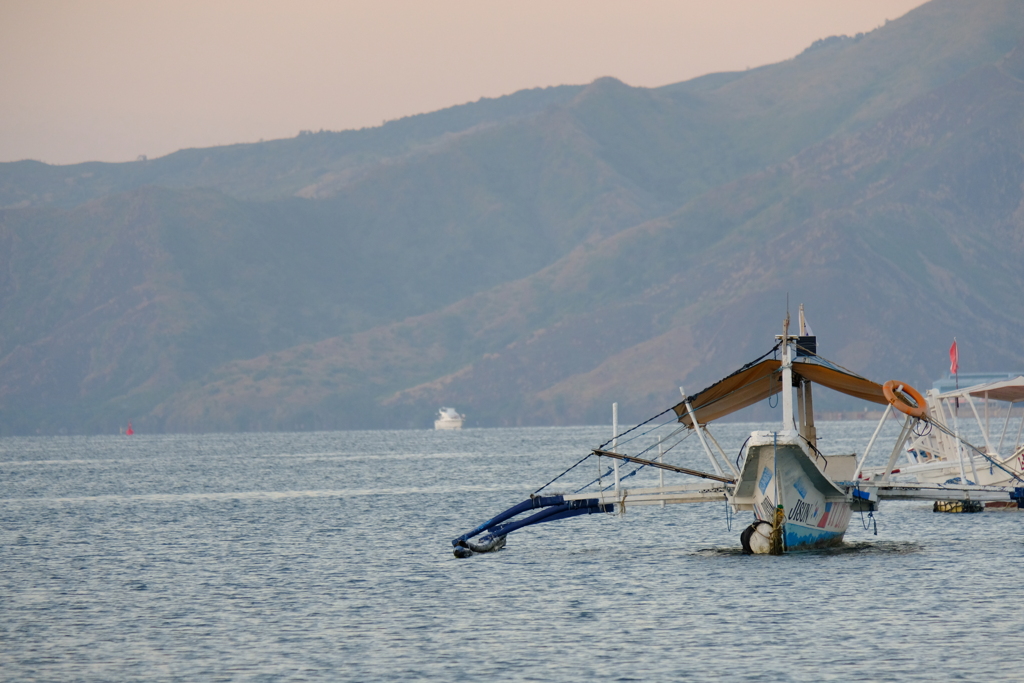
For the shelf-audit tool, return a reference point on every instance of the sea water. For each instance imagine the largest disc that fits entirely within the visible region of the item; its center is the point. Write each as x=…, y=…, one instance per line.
x=327, y=556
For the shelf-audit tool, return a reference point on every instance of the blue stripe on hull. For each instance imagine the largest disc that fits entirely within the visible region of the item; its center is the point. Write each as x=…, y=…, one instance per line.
x=799, y=537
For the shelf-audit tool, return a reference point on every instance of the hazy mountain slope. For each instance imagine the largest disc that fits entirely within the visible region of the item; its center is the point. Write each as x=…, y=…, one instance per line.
x=842, y=84
x=404, y=238
x=227, y=279
x=267, y=170
x=531, y=262
x=897, y=238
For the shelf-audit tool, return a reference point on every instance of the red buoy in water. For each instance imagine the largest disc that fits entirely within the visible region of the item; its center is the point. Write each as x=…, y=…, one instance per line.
x=129, y=431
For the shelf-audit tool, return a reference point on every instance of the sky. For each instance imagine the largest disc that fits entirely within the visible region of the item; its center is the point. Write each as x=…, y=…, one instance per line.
x=110, y=80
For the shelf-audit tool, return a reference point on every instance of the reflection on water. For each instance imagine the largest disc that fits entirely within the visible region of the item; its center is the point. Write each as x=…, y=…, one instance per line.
x=327, y=556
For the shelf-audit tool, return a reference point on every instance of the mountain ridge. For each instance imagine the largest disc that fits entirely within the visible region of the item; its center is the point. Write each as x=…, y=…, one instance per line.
x=581, y=246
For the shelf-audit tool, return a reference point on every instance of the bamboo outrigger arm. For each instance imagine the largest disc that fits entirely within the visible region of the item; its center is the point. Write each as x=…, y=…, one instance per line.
x=663, y=466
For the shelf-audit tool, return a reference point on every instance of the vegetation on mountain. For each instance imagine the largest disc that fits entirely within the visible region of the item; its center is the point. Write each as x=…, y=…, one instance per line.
x=531, y=259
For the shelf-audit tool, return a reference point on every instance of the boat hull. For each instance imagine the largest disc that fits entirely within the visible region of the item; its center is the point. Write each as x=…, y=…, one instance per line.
x=800, y=537
x=779, y=471
x=946, y=469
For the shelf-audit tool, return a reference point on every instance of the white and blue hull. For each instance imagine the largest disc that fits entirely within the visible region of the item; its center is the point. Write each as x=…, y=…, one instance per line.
x=801, y=537
x=780, y=470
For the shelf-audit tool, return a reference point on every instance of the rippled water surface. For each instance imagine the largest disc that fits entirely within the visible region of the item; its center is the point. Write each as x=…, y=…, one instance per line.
x=327, y=556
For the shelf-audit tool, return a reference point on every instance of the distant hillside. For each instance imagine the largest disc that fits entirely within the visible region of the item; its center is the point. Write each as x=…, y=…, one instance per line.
x=850, y=226
x=269, y=170
x=533, y=258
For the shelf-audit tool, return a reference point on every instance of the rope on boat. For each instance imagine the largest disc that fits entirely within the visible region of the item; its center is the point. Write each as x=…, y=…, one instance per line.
x=729, y=376
x=871, y=514
x=945, y=430
x=561, y=475
x=831, y=364
x=599, y=453
x=776, y=540
x=647, y=421
x=664, y=466
x=675, y=432
x=623, y=478
x=670, y=409
x=602, y=446
x=597, y=481
x=740, y=454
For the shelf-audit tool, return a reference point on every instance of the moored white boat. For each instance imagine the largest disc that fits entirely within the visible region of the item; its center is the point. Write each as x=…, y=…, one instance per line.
x=939, y=455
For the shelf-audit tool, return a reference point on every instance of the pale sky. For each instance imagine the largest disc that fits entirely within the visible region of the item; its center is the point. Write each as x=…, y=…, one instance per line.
x=108, y=80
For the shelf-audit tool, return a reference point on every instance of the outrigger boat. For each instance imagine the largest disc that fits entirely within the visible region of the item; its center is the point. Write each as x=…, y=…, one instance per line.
x=800, y=498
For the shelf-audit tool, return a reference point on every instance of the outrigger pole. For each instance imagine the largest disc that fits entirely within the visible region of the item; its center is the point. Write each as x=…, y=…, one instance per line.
x=554, y=508
x=663, y=466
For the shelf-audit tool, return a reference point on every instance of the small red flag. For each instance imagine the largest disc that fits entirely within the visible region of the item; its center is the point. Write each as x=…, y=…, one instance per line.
x=954, y=358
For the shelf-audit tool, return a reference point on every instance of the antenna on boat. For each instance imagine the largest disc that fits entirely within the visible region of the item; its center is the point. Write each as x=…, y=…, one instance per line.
x=806, y=345
x=615, y=441
x=785, y=323
x=787, y=373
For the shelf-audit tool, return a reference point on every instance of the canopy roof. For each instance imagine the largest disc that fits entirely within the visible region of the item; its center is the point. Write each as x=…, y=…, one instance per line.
x=759, y=380
x=1011, y=390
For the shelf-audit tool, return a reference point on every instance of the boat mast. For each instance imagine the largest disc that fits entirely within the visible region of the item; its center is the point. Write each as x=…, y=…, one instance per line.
x=807, y=402
x=615, y=441
x=787, y=378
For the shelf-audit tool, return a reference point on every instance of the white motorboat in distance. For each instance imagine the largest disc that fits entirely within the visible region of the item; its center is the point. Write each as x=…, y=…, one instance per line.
x=449, y=418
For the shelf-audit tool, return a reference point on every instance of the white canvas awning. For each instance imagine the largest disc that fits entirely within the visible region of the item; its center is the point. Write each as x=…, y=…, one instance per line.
x=1010, y=390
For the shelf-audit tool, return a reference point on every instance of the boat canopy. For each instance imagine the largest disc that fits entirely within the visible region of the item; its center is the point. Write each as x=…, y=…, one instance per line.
x=760, y=380
x=1010, y=390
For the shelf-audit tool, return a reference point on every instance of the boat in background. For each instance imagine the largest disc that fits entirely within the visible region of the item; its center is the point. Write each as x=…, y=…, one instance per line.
x=938, y=455
x=449, y=418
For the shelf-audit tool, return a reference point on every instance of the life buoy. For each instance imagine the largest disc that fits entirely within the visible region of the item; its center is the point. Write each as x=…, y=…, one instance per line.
x=896, y=393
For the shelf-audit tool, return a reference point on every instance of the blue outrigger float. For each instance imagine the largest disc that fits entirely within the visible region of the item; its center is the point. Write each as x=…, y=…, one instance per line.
x=801, y=498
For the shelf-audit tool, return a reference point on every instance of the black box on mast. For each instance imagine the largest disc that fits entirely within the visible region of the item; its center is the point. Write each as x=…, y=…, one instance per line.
x=806, y=346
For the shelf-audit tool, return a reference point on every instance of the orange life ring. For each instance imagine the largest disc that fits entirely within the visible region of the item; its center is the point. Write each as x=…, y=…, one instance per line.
x=895, y=393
